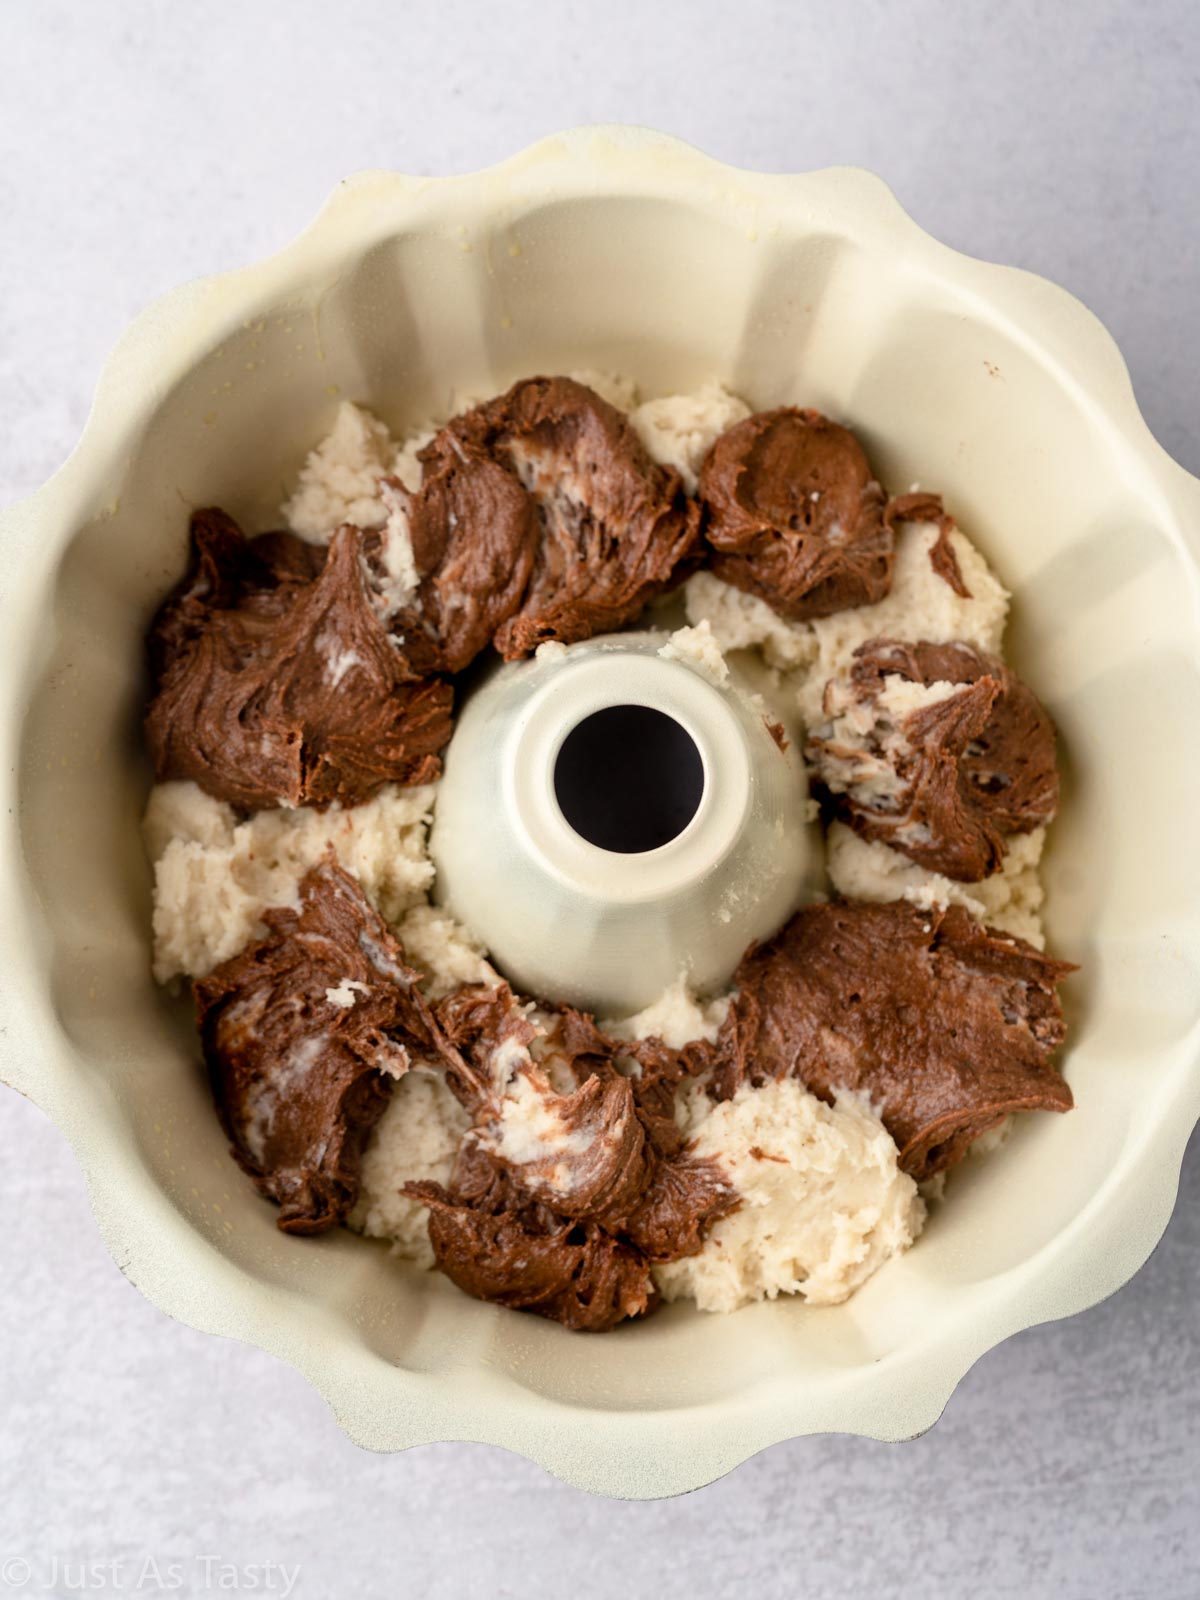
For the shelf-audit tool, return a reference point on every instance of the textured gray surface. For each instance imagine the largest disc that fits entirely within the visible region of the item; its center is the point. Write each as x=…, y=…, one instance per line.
x=143, y=144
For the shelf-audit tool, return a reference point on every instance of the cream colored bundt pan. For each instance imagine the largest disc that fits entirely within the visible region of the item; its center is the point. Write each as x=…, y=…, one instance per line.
x=619, y=249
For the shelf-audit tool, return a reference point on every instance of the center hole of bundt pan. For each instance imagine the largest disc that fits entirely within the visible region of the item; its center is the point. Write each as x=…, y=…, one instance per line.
x=628, y=779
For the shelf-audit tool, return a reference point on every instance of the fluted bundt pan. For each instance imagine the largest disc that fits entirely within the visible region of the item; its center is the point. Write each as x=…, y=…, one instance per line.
x=620, y=250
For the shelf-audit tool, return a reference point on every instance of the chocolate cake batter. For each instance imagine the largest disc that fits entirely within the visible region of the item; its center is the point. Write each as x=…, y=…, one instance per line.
x=967, y=771
x=945, y=1026
x=275, y=683
x=304, y=1034
x=571, y=1231
x=474, y=533
x=614, y=529
x=795, y=516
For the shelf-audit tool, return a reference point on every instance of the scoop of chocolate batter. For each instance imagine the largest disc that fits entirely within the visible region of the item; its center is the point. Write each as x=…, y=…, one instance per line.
x=497, y=1244
x=613, y=527
x=304, y=1033
x=275, y=682
x=943, y=782
x=474, y=532
x=228, y=572
x=574, y=1177
x=589, y=1156
x=795, y=516
x=945, y=1025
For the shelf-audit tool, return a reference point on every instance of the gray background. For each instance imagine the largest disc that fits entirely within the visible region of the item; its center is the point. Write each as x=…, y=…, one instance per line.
x=144, y=144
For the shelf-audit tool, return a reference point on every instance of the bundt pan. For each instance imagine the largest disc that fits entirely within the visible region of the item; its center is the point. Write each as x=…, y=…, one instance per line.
x=619, y=249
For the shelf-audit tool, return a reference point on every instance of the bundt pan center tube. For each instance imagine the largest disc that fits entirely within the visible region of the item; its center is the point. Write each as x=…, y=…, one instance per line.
x=699, y=808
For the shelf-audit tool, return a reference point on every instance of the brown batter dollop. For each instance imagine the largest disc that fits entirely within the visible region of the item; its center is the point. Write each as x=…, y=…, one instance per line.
x=496, y=1244
x=945, y=1025
x=474, y=533
x=275, y=682
x=613, y=528
x=568, y=1222
x=944, y=783
x=301, y=1078
x=795, y=515
x=227, y=570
